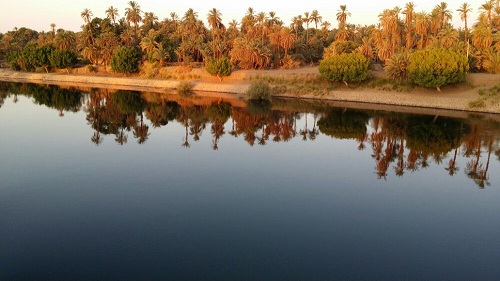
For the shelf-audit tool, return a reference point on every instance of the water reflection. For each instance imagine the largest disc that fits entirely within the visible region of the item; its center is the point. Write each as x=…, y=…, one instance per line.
x=399, y=143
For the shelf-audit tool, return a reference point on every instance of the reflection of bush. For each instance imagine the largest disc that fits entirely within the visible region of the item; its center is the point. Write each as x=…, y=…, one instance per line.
x=219, y=112
x=128, y=101
x=434, y=136
x=55, y=97
x=259, y=107
x=344, y=124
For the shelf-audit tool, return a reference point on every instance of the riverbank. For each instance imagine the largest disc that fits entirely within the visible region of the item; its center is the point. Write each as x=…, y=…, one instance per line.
x=450, y=98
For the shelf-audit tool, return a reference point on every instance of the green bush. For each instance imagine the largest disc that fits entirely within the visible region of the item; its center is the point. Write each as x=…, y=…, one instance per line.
x=126, y=60
x=347, y=67
x=41, y=57
x=220, y=67
x=437, y=67
x=30, y=58
x=13, y=60
x=259, y=91
x=63, y=58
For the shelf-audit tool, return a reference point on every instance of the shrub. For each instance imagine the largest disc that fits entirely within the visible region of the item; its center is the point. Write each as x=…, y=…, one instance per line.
x=63, y=58
x=126, y=60
x=350, y=67
x=259, y=91
x=437, y=67
x=185, y=88
x=397, y=66
x=41, y=56
x=30, y=58
x=13, y=60
x=219, y=68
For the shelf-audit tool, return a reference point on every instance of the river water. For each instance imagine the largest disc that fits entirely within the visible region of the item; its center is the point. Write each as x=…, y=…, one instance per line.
x=105, y=185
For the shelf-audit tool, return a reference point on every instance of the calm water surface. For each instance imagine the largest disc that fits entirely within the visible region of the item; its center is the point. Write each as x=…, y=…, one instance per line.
x=97, y=185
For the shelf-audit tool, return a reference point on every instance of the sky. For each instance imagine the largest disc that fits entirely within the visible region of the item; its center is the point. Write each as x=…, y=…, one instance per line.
x=39, y=14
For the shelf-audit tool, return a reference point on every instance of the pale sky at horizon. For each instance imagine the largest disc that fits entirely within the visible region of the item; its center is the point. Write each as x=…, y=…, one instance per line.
x=38, y=15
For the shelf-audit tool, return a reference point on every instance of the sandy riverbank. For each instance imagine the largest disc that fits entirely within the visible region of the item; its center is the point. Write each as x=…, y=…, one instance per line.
x=451, y=97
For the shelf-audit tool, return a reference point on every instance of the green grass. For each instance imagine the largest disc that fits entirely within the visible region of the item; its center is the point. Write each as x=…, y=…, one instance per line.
x=313, y=84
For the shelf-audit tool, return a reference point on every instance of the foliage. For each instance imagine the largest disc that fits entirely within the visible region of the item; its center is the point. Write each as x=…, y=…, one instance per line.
x=397, y=66
x=247, y=54
x=63, y=58
x=126, y=60
x=220, y=67
x=259, y=90
x=492, y=61
x=29, y=58
x=338, y=48
x=437, y=67
x=13, y=61
x=41, y=57
x=347, y=67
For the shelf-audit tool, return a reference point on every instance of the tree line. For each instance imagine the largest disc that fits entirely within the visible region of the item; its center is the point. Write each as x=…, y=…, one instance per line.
x=260, y=39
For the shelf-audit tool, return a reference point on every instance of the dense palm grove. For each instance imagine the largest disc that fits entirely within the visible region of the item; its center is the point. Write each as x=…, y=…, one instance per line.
x=260, y=39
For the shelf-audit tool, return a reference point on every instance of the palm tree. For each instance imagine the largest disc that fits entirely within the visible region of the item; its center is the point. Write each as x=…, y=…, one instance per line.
x=148, y=42
x=53, y=28
x=366, y=48
x=160, y=54
x=409, y=13
x=325, y=26
x=233, y=30
x=87, y=17
x=65, y=40
x=463, y=11
x=150, y=21
x=421, y=26
x=443, y=13
x=133, y=14
x=283, y=38
x=315, y=17
x=248, y=21
x=112, y=14
x=485, y=15
x=296, y=24
x=482, y=37
x=342, y=15
x=273, y=19
x=214, y=18
x=307, y=20
x=343, y=33
x=215, y=21
x=448, y=36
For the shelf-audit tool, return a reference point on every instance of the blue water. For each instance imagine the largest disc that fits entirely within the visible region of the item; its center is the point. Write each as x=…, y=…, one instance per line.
x=294, y=210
